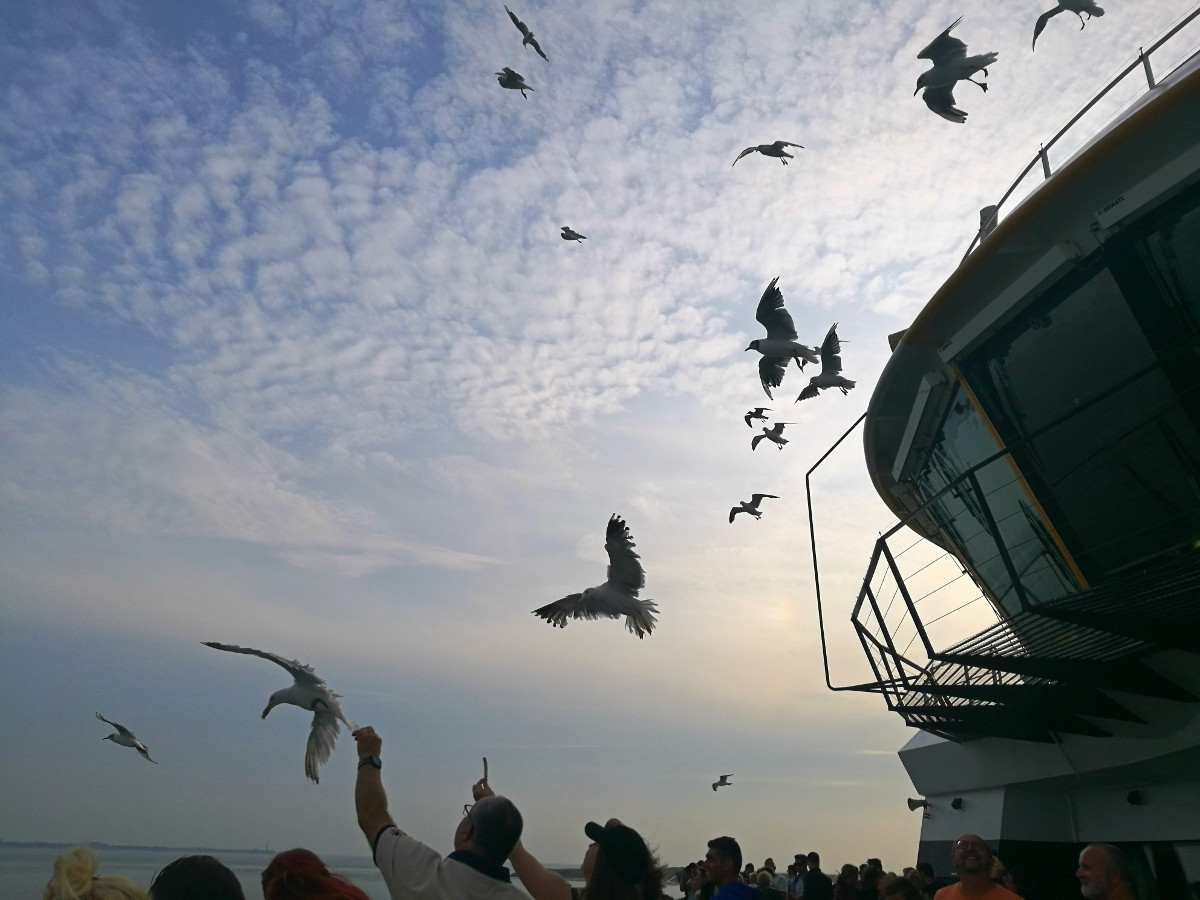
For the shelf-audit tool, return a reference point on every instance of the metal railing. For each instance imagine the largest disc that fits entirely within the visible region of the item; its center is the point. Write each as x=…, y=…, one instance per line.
x=989, y=220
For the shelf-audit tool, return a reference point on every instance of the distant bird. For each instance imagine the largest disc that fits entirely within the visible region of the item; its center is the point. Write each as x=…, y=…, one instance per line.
x=779, y=346
x=724, y=782
x=774, y=433
x=126, y=738
x=831, y=368
x=751, y=506
x=775, y=149
x=513, y=81
x=569, y=234
x=950, y=66
x=1076, y=6
x=529, y=40
x=310, y=692
x=617, y=597
x=759, y=412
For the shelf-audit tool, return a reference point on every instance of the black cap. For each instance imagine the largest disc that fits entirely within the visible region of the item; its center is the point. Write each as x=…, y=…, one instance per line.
x=623, y=848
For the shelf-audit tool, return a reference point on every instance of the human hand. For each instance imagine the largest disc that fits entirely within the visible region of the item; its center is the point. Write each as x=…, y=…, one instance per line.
x=369, y=743
x=481, y=789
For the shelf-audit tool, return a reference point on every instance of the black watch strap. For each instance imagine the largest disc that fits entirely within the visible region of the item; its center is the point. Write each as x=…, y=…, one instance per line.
x=374, y=761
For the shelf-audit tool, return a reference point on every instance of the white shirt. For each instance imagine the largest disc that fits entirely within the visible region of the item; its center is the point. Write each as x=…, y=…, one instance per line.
x=413, y=871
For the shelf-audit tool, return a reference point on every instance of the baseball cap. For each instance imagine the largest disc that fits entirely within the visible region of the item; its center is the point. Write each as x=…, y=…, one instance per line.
x=623, y=848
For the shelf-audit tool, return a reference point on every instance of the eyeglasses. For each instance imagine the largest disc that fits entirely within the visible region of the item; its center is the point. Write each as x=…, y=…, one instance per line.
x=467, y=809
x=968, y=845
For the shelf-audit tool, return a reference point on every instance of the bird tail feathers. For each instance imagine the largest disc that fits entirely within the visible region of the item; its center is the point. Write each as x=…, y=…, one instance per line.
x=643, y=619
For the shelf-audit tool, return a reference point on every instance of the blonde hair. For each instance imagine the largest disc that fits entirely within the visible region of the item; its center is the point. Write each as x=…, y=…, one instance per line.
x=75, y=878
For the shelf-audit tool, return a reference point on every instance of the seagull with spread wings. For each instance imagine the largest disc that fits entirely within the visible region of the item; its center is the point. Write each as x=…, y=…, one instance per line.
x=308, y=691
x=776, y=150
x=513, y=81
x=529, y=40
x=774, y=433
x=724, y=782
x=779, y=346
x=618, y=596
x=950, y=66
x=1079, y=7
x=750, y=506
x=831, y=369
x=759, y=412
x=570, y=234
x=125, y=738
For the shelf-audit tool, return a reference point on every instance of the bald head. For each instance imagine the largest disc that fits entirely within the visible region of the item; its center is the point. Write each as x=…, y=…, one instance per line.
x=491, y=828
x=1103, y=873
x=971, y=855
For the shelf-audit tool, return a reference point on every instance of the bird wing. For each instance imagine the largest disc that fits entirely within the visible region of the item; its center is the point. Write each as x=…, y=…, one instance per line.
x=779, y=145
x=536, y=46
x=624, y=569
x=733, y=512
x=770, y=372
x=1041, y=23
x=750, y=415
x=754, y=443
x=521, y=25
x=944, y=48
x=745, y=152
x=573, y=606
x=772, y=316
x=808, y=393
x=144, y=750
x=831, y=348
x=120, y=728
x=321, y=739
x=301, y=673
x=757, y=498
x=941, y=101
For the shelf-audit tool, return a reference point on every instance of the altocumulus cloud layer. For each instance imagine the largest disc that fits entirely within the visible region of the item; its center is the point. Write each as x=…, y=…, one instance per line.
x=294, y=357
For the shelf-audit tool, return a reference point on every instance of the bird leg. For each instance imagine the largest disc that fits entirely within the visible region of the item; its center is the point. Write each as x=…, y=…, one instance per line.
x=1081, y=22
x=980, y=83
x=782, y=160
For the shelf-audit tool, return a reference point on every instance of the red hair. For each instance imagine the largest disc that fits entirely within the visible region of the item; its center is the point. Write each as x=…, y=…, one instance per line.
x=300, y=875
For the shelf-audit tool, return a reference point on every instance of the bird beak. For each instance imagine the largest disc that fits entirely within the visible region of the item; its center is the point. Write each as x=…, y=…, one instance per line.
x=265, y=711
x=914, y=92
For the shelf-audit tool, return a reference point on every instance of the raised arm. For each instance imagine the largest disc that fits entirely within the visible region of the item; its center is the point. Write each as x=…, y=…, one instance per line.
x=370, y=800
x=541, y=883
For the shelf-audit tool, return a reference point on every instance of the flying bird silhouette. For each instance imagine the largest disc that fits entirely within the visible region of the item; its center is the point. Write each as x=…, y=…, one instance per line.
x=308, y=691
x=724, y=781
x=570, y=234
x=751, y=506
x=617, y=597
x=779, y=346
x=125, y=738
x=513, y=81
x=1079, y=7
x=776, y=150
x=759, y=412
x=774, y=433
x=950, y=66
x=529, y=39
x=831, y=368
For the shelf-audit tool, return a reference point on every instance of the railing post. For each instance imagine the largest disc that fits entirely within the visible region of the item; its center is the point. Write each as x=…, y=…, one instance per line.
x=1045, y=160
x=1146, y=65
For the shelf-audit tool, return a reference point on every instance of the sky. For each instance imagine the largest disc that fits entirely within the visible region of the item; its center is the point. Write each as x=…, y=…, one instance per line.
x=292, y=356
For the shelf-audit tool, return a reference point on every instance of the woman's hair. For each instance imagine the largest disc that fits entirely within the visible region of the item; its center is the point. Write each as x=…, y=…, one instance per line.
x=895, y=884
x=75, y=878
x=301, y=875
x=605, y=884
x=196, y=878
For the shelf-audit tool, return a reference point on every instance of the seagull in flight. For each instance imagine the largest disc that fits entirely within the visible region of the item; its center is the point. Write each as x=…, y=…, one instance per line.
x=950, y=66
x=751, y=506
x=570, y=234
x=759, y=412
x=126, y=738
x=774, y=433
x=779, y=346
x=618, y=596
x=831, y=368
x=310, y=692
x=775, y=149
x=1079, y=7
x=513, y=81
x=724, y=782
x=529, y=40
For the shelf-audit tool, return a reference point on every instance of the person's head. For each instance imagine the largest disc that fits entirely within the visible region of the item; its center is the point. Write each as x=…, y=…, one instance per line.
x=791, y=870
x=925, y=872
x=972, y=856
x=196, y=878
x=769, y=863
x=870, y=877
x=75, y=878
x=814, y=861
x=763, y=877
x=895, y=887
x=301, y=875
x=801, y=863
x=723, y=860
x=1102, y=869
x=849, y=874
x=490, y=828
x=619, y=864
x=876, y=862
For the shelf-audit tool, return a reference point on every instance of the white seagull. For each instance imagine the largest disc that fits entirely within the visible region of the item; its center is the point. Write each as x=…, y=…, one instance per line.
x=570, y=234
x=529, y=39
x=724, y=782
x=759, y=412
x=774, y=433
x=831, y=367
x=617, y=597
x=512, y=80
x=310, y=692
x=1079, y=7
x=750, y=506
x=126, y=738
x=776, y=150
x=779, y=346
x=950, y=66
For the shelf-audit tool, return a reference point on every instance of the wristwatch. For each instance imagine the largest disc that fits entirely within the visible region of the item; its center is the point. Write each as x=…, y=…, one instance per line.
x=371, y=761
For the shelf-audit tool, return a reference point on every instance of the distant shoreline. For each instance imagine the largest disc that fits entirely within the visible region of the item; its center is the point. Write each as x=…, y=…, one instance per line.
x=101, y=845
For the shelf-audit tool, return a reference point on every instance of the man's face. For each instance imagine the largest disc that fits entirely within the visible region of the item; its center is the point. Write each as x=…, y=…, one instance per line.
x=971, y=855
x=1095, y=877
x=718, y=869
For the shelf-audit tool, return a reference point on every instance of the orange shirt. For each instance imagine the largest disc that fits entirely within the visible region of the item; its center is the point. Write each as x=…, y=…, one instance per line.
x=954, y=892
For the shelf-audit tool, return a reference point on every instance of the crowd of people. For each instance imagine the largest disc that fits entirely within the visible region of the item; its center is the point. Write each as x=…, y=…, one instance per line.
x=618, y=865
